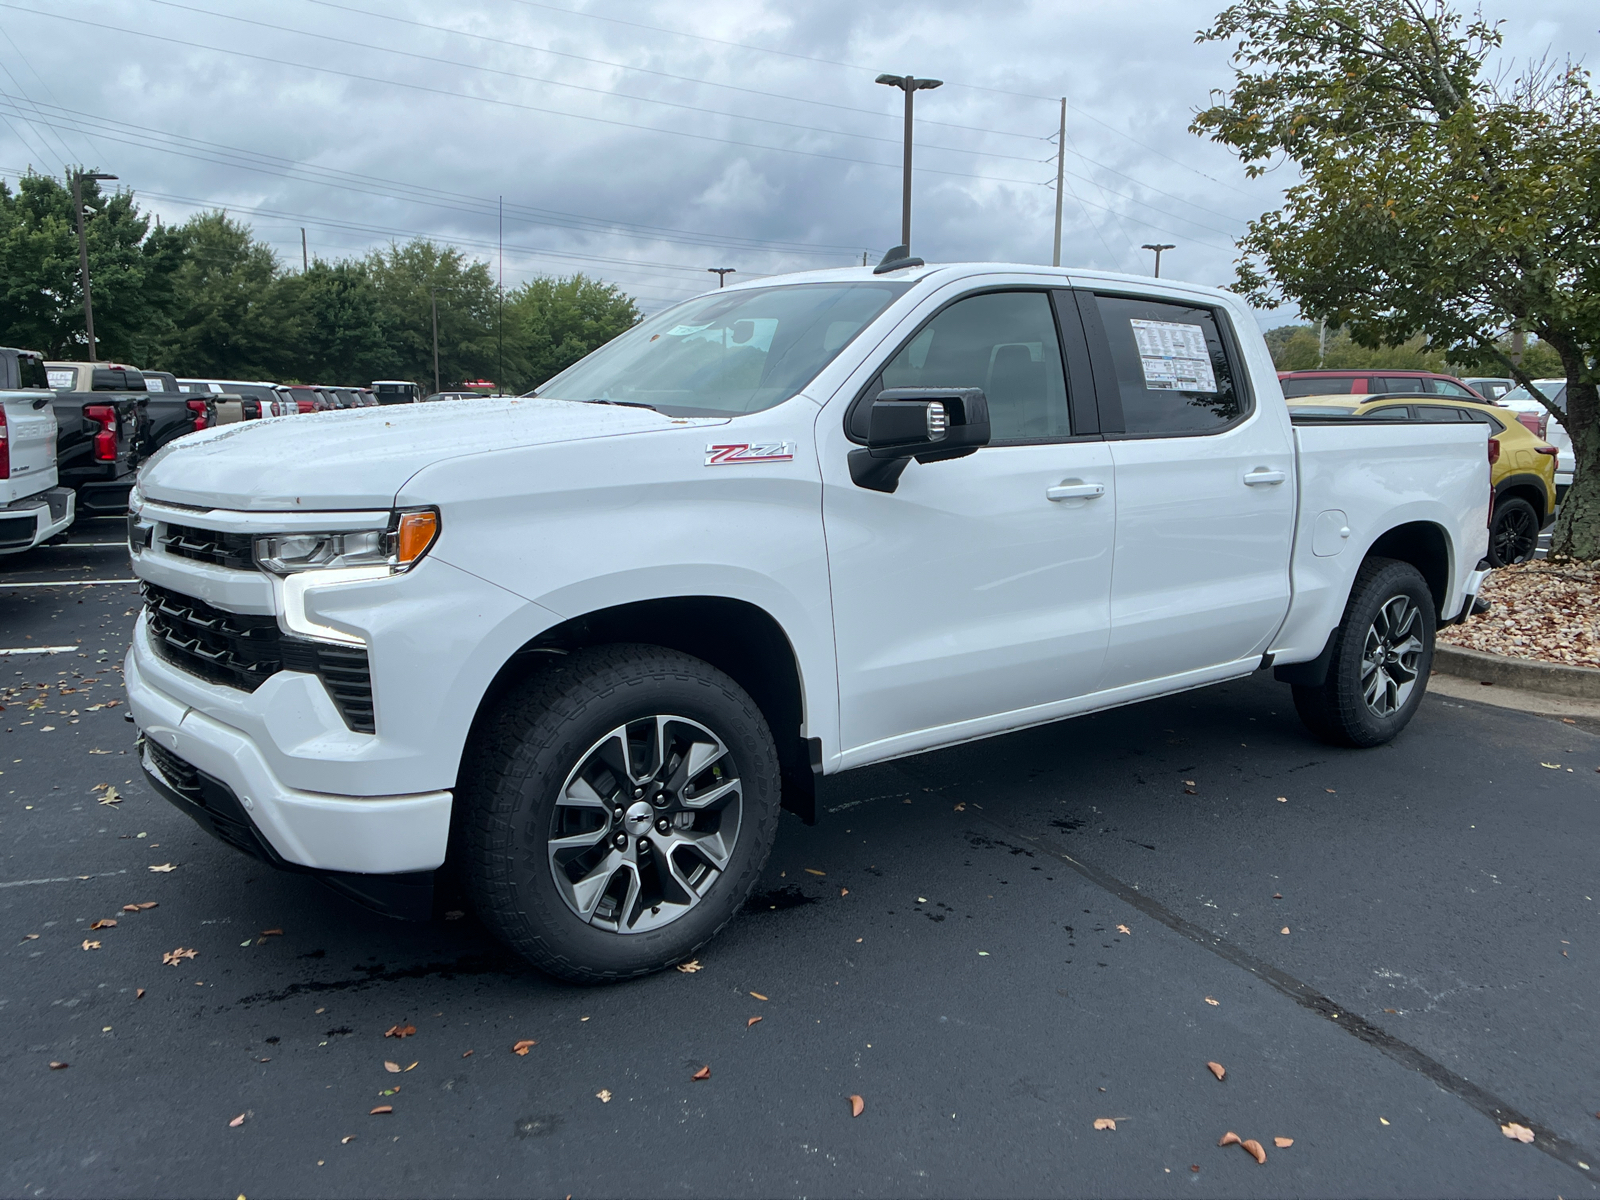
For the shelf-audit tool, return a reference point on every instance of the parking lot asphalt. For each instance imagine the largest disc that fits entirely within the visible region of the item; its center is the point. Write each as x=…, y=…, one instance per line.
x=1390, y=952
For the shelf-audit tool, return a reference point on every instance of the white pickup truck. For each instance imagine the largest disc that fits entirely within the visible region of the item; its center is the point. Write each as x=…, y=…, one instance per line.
x=576, y=649
x=33, y=508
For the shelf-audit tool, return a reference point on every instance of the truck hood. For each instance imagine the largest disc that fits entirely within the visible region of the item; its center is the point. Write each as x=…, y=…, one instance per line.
x=359, y=458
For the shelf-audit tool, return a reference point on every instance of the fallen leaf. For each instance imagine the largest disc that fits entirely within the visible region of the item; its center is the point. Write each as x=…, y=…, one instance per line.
x=88, y=945
x=1195, y=1167
x=392, y=1067
x=962, y=807
x=30, y=937
x=1105, y=1123
x=130, y=908
x=138, y=994
x=524, y=1046
x=857, y=1106
x=814, y=871
x=1188, y=783
x=412, y=1067
x=172, y=957
x=1391, y=1010
x=1254, y=1149
x=1229, y=1139
x=702, y=1073
x=1124, y=929
x=1520, y=1132
x=58, y=1066
x=1217, y=1069
x=1213, y=1003
x=236, y=1122
x=751, y=1022
x=1553, y=767
x=271, y=933
x=844, y=891
x=112, y=796
x=690, y=967
x=382, y=1108
x=603, y=1095
x=758, y=995
x=1381, y=1121
x=397, y=1031
x=1277, y=895
x=164, y=868
x=347, y=1139
x=466, y=1054
x=1282, y=1143
x=104, y=923
x=1285, y=929
x=1283, y=799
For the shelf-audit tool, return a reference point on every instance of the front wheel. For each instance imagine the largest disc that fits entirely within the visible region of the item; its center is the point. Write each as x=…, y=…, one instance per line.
x=619, y=811
x=1382, y=656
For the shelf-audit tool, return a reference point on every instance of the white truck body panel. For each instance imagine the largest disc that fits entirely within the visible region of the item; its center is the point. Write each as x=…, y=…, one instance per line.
x=30, y=439
x=965, y=603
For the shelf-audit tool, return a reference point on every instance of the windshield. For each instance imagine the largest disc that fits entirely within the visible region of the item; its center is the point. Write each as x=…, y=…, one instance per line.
x=1554, y=389
x=721, y=355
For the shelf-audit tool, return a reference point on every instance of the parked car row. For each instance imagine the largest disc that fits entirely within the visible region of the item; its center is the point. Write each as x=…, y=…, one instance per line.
x=105, y=418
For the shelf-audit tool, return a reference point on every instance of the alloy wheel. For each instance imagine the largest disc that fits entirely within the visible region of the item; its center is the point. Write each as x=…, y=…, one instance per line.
x=1516, y=536
x=645, y=824
x=1391, y=656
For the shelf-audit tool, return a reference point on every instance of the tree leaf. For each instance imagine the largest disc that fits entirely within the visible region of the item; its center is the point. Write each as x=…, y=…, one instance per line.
x=1105, y=1123
x=236, y=1122
x=1520, y=1133
x=1254, y=1149
x=88, y=945
x=392, y=1067
x=1213, y=1003
x=1217, y=1069
x=1229, y=1139
x=382, y=1108
x=1124, y=929
x=702, y=1073
x=690, y=967
x=751, y=1022
x=1282, y=1143
x=397, y=1031
x=857, y=1106
x=164, y=868
x=59, y=1066
x=523, y=1046
x=758, y=995
x=173, y=957
x=603, y=1095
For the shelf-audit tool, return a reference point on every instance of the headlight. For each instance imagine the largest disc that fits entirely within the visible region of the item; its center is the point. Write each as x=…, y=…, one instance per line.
x=399, y=546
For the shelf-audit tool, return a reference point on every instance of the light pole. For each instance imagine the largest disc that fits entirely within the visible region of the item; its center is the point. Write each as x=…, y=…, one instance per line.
x=1158, y=247
x=910, y=85
x=83, y=252
x=722, y=274
x=1061, y=172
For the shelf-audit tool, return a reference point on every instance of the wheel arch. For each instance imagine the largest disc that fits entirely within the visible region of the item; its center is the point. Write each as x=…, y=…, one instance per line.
x=1527, y=487
x=1426, y=546
x=735, y=636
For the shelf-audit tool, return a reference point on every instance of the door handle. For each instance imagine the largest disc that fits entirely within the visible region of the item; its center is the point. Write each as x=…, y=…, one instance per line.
x=1073, y=490
x=1262, y=475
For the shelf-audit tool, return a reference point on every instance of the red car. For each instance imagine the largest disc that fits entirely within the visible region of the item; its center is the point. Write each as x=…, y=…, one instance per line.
x=1347, y=383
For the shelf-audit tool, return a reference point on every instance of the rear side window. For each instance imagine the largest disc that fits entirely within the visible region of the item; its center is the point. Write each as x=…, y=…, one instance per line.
x=1446, y=387
x=1316, y=387
x=1172, y=370
x=1440, y=412
x=1405, y=385
x=1395, y=412
x=1004, y=343
x=31, y=372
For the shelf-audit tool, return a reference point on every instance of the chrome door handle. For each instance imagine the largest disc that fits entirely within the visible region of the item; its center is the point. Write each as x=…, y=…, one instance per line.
x=1071, y=490
x=1261, y=475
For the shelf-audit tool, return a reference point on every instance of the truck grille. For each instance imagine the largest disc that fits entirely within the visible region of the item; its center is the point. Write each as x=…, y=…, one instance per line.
x=209, y=546
x=242, y=651
x=208, y=800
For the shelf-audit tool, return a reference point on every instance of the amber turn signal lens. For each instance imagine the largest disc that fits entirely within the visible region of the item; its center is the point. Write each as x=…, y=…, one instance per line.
x=417, y=531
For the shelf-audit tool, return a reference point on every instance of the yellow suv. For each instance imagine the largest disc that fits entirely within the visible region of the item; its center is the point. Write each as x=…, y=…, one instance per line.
x=1522, y=465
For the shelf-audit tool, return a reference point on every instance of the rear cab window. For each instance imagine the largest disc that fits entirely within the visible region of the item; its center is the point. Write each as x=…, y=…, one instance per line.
x=1175, y=372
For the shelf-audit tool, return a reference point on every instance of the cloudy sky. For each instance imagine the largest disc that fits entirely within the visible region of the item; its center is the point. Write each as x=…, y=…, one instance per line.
x=644, y=142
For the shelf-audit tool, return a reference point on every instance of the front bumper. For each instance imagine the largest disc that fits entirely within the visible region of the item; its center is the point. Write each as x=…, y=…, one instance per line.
x=304, y=829
x=34, y=519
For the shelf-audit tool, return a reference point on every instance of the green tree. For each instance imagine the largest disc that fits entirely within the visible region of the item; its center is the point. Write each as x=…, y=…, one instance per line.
x=401, y=277
x=41, y=295
x=551, y=323
x=1433, y=200
x=223, y=323
x=334, y=312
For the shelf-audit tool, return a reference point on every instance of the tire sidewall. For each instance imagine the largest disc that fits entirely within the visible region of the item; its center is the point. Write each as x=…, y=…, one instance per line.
x=1365, y=727
x=1502, y=510
x=560, y=736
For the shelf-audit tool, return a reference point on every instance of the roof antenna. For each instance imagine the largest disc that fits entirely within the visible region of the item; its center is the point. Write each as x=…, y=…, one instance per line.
x=898, y=259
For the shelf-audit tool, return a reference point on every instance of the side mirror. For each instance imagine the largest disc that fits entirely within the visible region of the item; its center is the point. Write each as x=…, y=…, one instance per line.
x=927, y=424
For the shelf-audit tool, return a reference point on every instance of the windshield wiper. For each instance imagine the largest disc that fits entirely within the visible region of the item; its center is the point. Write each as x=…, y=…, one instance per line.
x=624, y=403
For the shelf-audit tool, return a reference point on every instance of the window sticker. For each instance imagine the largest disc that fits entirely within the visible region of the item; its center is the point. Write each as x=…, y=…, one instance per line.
x=62, y=380
x=1175, y=357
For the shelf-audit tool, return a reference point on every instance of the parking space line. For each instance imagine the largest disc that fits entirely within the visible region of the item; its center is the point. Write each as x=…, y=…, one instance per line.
x=60, y=879
x=1309, y=998
x=67, y=583
x=39, y=650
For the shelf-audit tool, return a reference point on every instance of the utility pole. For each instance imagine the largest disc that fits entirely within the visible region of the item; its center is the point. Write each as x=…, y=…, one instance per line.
x=83, y=253
x=1158, y=247
x=433, y=302
x=500, y=371
x=305, y=257
x=1322, y=341
x=910, y=85
x=722, y=274
x=1061, y=173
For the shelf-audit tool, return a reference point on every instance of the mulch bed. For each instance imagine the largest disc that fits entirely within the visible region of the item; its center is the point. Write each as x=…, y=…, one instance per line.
x=1542, y=610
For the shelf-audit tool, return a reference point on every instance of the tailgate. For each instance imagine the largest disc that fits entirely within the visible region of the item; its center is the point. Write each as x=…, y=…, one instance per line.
x=31, y=439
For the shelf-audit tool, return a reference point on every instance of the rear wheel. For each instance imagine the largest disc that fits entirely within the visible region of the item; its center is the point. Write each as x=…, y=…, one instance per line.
x=1382, y=656
x=1513, y=533
x=619, y=811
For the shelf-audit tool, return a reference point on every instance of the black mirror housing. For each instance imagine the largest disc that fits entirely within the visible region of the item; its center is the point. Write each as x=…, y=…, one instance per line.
x=928, y=424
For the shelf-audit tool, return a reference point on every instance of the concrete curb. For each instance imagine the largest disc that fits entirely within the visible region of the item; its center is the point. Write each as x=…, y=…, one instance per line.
x=1550, y=678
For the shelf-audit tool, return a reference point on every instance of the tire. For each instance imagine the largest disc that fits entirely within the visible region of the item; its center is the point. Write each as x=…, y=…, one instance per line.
x=1366, y=701
x=545, y=805
x=1513, y=533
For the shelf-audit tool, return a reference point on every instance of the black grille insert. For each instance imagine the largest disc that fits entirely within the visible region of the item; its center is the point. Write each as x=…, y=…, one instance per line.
x=208, y=800
x=242, y=651
x=209, y=546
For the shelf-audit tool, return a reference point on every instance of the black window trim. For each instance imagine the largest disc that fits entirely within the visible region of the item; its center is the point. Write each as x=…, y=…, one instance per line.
x=1110, y=398
x=1083, y=399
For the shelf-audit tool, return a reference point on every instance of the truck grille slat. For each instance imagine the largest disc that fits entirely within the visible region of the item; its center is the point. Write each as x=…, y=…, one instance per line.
x=210, y=546
x=243, y=651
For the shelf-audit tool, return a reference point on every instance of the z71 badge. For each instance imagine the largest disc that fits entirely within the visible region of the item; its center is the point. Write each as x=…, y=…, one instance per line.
x=749, y=452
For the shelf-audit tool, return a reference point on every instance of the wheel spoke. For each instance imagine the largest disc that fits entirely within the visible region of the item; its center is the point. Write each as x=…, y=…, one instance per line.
x=580, y=793
x=714, y=797
x=584, y=896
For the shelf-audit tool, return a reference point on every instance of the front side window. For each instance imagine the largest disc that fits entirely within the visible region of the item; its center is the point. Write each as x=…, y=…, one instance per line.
x=1173, y=373
x=1004, y=343
x=1395, y=412
x=727, y=354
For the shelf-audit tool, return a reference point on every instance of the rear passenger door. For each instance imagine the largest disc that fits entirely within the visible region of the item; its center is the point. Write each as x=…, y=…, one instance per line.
x=1205, y=490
